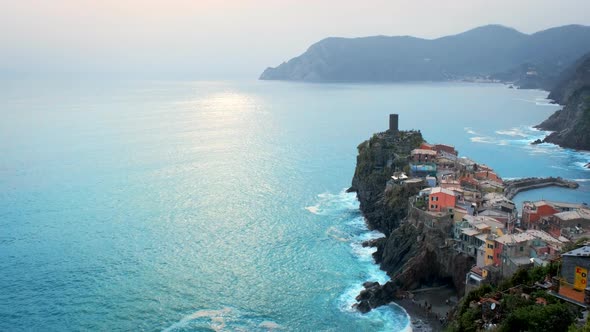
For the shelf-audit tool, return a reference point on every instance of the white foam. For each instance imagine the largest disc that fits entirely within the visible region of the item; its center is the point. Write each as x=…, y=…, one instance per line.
x=270, y=325
x=334, y=204
x=514, y=132
x=337, y=234
x=216, y=316
x=313, y=209
x=482, y=139
x=354, y=229
x=470, y=131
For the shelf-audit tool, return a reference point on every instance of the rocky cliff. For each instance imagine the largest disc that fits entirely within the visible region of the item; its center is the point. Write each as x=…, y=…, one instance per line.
x=412, y=253
x=378, y=158
x=571, y=125
x=532, y=60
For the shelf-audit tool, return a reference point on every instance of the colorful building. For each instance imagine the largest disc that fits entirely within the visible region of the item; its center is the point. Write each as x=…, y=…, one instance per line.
x=445, y=148
x=440, y=199
x=423, y=155
x=533, y=211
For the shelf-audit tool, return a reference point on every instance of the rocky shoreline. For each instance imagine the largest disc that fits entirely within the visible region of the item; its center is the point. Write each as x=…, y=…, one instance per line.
x=419, y=249
x=412, y=254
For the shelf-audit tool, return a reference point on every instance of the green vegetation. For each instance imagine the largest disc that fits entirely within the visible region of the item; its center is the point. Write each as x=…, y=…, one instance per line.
x=518, y=310
x=575, y=245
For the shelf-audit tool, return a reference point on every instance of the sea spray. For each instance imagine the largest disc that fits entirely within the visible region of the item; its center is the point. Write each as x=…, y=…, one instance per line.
x=353, y=230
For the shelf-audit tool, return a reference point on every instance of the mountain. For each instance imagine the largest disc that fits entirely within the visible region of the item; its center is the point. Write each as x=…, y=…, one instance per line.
x=571, y=125
x=480, y=52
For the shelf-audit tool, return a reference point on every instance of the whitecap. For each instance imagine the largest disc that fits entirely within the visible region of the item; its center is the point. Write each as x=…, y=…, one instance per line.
x=313, y=209
x=334, y=204
x=216, y=316
x=481, y=139
x=515, y=132
x=270, y=325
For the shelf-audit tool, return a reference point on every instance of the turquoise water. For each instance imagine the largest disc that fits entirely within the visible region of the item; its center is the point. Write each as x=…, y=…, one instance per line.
x=219, y=205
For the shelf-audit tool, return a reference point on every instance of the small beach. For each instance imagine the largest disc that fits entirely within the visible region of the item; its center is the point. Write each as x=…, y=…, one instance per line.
x=427, y=306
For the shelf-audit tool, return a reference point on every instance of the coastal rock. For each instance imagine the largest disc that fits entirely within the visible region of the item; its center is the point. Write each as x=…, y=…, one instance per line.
x=378, y=158
x=537, y=141
x=571, y=125
x=375, y=295
x=412, y=254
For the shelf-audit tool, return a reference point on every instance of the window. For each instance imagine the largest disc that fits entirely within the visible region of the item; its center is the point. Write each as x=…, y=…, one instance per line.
x=498, y=256
x=521, y=248
x=431, y=206
x=490, y=257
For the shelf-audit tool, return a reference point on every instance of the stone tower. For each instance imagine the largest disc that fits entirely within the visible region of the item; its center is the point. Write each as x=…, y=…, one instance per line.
x=393, y=122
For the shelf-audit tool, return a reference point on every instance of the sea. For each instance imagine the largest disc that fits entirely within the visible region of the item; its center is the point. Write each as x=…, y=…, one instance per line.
x=221, y=205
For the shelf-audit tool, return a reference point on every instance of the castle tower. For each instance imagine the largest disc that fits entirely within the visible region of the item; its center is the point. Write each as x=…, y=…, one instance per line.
x=393, y=122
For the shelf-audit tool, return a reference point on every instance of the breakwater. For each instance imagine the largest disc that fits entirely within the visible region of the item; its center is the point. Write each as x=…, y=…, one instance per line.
x=513, y=187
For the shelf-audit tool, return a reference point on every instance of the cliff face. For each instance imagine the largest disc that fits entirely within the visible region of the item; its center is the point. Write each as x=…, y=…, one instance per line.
x=571, y=125
x=412, y=253
x=480, y=52
x=378, y=158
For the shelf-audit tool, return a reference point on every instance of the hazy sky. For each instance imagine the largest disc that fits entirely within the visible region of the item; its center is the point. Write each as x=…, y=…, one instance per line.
x=206, y=39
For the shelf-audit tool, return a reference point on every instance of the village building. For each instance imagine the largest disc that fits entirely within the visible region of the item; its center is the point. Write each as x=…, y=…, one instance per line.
x=440, y=148
x=512, y=251
x=532, y=212
x=423, y=155
x=440, y=199
x=570, y=224
x=422, y=169
x=431, y=181
x=573, y=281
x=545, y=247
x=488, y=175
x=466, y=164
x=426, y=146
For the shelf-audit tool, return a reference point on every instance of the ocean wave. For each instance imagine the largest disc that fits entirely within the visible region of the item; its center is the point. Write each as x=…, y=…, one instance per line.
x=215, y=317
x=515, y=132
x=333, y=204
x=219, y=319
x=351, y=227
x=582, y=165
x=482, y=139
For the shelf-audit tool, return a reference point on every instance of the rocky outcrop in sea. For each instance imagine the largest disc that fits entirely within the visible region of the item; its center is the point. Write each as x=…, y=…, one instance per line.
x=413, y=254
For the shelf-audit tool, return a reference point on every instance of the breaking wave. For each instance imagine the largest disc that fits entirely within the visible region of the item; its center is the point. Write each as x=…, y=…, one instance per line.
x=352, y=229
x=219, y=319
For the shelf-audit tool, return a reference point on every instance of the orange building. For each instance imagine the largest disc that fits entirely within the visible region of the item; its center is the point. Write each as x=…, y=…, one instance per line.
x=426, y=146
x=533, y=211
x=441, y=198
x=446, y=148
x=488, y=175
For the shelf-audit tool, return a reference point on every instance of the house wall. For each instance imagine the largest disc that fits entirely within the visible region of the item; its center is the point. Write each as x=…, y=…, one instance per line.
x=489, y=252
x=498, y=247
x=531, y=219
x=439, y=201
x=569, y=264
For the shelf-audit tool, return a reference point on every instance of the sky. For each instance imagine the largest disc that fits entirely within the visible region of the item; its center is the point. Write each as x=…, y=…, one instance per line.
x=232, y=39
